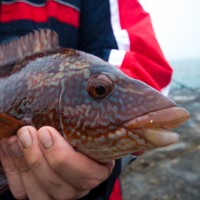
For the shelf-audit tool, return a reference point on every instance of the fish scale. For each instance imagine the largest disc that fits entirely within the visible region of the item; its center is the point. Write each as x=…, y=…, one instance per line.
x=99, y=110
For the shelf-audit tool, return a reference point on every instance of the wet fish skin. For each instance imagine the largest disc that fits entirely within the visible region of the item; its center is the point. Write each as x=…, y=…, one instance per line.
x=86, y=99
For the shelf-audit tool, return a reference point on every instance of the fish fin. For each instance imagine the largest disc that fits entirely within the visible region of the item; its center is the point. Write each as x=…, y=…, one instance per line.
x=17, y=49
x=9, y=125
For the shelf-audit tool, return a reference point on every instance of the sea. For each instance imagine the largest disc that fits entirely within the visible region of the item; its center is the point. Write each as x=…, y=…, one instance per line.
x=186, y=73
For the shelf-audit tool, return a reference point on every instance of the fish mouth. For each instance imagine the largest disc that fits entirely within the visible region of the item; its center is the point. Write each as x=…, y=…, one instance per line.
x=137, y=135
x=155, y=127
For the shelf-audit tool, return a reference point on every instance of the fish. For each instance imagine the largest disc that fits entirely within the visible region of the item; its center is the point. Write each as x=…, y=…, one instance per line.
x=99, y=110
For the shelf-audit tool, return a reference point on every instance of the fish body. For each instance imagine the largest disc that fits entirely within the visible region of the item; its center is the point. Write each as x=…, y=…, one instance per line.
x=99, y=110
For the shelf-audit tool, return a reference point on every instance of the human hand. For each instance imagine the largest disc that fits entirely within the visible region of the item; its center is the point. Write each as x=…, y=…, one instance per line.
x=42, y=165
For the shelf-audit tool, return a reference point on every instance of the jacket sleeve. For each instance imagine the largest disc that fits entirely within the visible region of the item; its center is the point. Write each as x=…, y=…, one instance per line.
x=120, y=31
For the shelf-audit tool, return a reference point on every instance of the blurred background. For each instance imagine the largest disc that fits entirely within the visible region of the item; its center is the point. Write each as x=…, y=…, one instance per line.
x=177, y=27
x=173, y=172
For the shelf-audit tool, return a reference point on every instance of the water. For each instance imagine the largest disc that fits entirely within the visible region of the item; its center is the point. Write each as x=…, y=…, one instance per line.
x=186, y=73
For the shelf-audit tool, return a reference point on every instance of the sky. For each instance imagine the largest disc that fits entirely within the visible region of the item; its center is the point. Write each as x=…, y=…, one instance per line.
x=177, y=26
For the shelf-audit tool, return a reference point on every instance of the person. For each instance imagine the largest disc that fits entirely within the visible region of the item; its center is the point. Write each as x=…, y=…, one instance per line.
x=40, y=164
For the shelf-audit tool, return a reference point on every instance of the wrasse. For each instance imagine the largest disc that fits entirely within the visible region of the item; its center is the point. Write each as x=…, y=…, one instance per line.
x=99, y=110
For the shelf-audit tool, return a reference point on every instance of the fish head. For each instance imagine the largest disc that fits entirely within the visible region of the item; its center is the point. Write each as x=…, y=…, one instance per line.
x=106, y=115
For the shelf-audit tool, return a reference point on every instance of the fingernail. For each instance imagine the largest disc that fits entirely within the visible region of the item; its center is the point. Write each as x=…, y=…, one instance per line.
x=15, y=148
x=25, y=138
x=4, y=147
x=45, y=138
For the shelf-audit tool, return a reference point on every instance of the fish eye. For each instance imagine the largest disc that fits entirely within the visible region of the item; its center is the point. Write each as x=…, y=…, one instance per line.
x=99, y=86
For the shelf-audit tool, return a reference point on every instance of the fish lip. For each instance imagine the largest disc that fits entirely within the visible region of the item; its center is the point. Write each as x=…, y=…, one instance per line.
x=155, y=127
x=157, y=119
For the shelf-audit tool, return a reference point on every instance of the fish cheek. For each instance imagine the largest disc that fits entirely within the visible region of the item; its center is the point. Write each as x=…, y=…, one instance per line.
x=83, y=124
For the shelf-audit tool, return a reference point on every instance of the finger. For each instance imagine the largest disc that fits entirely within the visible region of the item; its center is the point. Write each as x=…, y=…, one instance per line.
x=70, y=164
x=55, y=185
x=30, y=182
x=12, y=174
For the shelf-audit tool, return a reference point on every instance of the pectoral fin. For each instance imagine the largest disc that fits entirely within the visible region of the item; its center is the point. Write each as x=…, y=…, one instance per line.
x=9, y=125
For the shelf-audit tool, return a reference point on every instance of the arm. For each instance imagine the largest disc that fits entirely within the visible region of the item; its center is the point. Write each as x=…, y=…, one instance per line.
x=121, y=33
